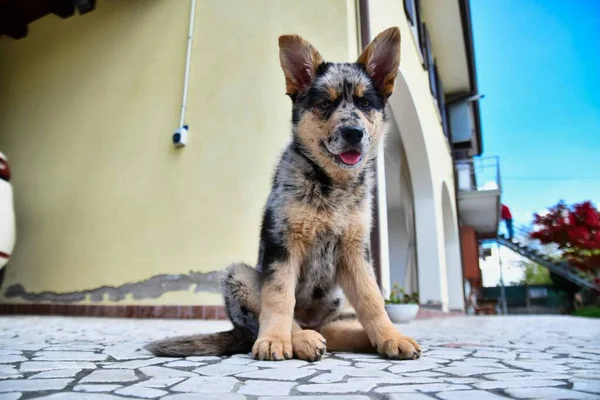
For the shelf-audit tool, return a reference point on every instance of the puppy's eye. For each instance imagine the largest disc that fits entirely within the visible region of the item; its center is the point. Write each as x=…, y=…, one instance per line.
x=325, y=105
x=364, y=103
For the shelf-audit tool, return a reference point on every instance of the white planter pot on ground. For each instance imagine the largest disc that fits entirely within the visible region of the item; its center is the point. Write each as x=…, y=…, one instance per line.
x=402, y=313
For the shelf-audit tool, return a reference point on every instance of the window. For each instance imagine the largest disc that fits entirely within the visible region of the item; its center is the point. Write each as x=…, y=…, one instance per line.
x=441, y=102
x=410, y=8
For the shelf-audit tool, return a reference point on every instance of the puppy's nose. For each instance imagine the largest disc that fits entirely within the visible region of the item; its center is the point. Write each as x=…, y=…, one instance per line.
x=352, y=134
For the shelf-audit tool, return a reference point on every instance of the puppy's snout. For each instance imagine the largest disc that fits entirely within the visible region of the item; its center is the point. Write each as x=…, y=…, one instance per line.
x=352, y=134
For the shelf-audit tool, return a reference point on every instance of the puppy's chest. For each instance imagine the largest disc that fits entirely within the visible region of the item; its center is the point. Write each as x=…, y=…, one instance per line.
x=318, y=271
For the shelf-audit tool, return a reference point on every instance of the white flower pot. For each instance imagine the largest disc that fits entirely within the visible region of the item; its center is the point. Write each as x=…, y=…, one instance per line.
x=402, y=313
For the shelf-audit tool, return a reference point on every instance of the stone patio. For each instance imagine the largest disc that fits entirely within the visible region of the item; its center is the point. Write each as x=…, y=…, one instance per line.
x=464, y=358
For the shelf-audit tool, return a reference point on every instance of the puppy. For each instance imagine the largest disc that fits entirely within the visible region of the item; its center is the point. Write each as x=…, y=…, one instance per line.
x=313, y=287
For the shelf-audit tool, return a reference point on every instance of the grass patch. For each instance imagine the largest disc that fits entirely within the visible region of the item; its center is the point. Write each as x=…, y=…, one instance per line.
x=590, y=312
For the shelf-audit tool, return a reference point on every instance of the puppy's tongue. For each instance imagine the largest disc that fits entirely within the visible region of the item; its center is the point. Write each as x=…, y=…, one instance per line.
x=350, y=157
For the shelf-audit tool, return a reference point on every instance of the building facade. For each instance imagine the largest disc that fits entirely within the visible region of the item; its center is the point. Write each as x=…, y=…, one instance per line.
x=110, y=213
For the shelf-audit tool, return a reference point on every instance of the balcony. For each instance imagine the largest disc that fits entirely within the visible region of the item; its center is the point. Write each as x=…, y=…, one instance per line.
x=478, y=194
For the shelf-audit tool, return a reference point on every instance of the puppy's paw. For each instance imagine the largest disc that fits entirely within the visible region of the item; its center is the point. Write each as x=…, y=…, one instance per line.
x=398, y=347
x=308, y=345
x=272, y=349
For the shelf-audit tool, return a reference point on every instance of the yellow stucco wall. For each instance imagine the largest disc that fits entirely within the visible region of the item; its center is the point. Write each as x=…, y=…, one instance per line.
x=87, y=109
x=437, y=156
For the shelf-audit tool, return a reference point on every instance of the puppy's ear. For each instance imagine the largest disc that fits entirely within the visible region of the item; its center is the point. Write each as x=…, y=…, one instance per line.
x=381, y=59
x=299, y=61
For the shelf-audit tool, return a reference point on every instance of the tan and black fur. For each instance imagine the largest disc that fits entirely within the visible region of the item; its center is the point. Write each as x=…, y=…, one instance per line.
x=313, y=287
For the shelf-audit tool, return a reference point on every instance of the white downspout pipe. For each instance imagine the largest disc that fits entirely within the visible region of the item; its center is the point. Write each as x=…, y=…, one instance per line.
x=188, y=59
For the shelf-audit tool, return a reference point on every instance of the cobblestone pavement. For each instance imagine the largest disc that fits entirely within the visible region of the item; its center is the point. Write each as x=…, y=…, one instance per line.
x=470, y=358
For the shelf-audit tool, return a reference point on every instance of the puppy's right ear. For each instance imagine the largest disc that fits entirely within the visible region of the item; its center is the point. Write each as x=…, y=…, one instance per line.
x=299, y=61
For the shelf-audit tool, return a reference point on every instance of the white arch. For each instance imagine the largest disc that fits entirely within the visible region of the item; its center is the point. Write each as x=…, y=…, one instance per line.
x=452, y=252
x=432, y=276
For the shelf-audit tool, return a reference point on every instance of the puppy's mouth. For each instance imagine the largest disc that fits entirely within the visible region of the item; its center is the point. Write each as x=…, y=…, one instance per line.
x=350, y=157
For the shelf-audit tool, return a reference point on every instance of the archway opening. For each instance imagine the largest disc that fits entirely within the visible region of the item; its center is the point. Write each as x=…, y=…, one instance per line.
x=452, y=253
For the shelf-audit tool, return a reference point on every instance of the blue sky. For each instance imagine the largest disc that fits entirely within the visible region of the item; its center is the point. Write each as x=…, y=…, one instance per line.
x=538, y=64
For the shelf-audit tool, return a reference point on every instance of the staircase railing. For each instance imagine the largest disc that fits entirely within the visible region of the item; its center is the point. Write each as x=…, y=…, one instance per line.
x=547, y=255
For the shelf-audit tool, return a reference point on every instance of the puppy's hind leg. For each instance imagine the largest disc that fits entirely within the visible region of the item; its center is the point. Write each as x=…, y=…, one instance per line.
x=242, y=301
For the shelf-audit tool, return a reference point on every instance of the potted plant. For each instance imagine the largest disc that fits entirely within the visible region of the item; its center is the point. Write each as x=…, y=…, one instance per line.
x=402, y=307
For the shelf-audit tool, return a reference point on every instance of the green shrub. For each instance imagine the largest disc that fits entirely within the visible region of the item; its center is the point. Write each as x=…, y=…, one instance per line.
x=589, y=311
x=398, y=296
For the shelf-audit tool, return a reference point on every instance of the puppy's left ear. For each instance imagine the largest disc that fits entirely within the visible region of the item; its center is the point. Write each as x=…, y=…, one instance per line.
x=381, y=59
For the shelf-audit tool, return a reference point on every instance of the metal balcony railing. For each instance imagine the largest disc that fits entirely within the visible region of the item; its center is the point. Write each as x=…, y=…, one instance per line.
x=478, y=174
x=546, y=255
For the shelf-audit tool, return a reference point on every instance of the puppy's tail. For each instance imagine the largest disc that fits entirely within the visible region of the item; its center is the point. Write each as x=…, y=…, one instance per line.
x=235, y=341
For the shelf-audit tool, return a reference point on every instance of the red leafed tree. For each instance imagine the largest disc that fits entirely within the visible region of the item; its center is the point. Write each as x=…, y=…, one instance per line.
x=575, y=230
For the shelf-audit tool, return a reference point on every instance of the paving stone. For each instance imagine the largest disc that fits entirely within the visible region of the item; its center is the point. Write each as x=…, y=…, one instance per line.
x=35, y=366
x=495, y=355
x=237, y=361
x=340, y=373
x=399, y=380
x=206, y=384
x=143, y=392
x=587, y=385
x=537, y=366
x=73, y=347
x=266, y=388
x=537, y=356
x=203, y=358
x=10, y=396
x=469, y=395
x=517, y=384
x=511, y=376
x=57, y=373
x=347, y=387
x=110, y=376
x=224, y=369
x=548, y=394
x=135, y=364
x=481, y=362
x=33, y=385
x=461, y=381
x=328, y=364
x=80, y=396
x=380, y=365
x=125, y=353
x=463, y=358
x=279, y=374
x=162, y=372
x=11, y=358
x=280, y=364
x=588, y=356
x=68, y=356
x=447, y=354
x=26, y=346
x=96, y=388
x=206, y=396
x=429, y=387
x=358, y=356
x=183, y=364
x=325, y=397
x=159, y=382
x=412, y=366
x=9, y=372
x=9, y=352
x=469, y=371
x=586, y=374
x=408, y=396
x=424, y=374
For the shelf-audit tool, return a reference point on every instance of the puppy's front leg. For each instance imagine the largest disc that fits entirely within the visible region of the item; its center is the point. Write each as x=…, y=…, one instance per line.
x=277, y=301
x=357, y=279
